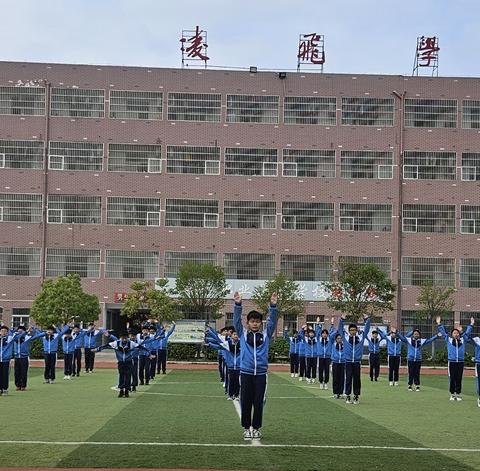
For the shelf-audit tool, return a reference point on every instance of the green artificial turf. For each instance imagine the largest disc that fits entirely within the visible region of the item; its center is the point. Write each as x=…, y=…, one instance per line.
x=190, y=407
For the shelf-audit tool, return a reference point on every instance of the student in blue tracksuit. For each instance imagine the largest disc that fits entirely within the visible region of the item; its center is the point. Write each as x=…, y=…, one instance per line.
x=221, y=366
x=68, y=345
x=155, y=329
x=144, y=356
x=302, y=363
x=132, y=335
x=353, y=348
x=21, y=353
x=374, y=355
x=163, y=348
x=311, y=355
x=50, y=347
x=456, y=356
x=324, y=352
x=294, y=343
x=90, y=343
x=475, y=341
x=415, y=345
x=338, y=365
x=7, y=340
x=394, y=351
x=254, y=345
x=78, y=335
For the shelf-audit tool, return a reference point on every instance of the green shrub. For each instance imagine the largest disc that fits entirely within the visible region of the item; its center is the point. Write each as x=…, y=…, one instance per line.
x=182, y=351
x=279, y=347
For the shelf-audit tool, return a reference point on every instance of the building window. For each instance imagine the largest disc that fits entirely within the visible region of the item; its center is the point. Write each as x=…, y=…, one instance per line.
x=429, y=165
x=74, y=209
x=124, y=211
x=77, y=103
x=249, y=215
x=307, y=267
x=252, y=109
x=417, y=271
x=367, y=111
x=137, y=158
x=174, y=260
x=131, y=264
x=251, y=162
x=366, y=164
x=297, y=215
x=20, y=316
x=471, y=114
x=191, y=213
x=427, y=327
x=428, y=113
x=470, y=273
x=84, y=156
x=290, y=323
x=470, y=220
x=310, y=110
x=135, y=104
x=193, y=160
x=20, y=207
x=384, y=263
x=249, y=266
x=21, y=154
x=465, y=320
x=22, y=101
x=439, y=218
x=470, y=166
x=19, y=261
x=366, y=217
x=309, y=163
x=83, y=262
x=194, y=107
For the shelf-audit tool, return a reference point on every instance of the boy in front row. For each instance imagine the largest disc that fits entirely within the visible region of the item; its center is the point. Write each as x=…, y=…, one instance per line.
x=254, y=344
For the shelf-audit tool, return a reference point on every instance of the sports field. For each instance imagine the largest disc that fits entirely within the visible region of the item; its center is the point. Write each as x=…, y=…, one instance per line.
x=183, y=420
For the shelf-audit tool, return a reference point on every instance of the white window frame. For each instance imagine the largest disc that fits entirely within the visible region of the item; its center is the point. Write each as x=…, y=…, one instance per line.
x=62, y=160
x=264, y=218
x=342, y=220
x=151, y=214
x=205, y=219
x=474, y=173
x=2, y=160
x=293, y=165
x=217, y=172
x=410, y=219
x=412, y=167
x=292, y=218
x=1, y=213
x=265, y=165
x=151, y=162
x=52, y=211
x=381, y=167
x=461, y=226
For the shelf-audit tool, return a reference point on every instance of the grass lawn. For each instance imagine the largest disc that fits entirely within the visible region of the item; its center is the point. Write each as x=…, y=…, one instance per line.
x=165, y=425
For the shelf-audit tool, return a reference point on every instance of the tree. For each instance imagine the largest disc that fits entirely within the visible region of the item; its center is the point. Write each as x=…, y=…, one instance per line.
x=153, y=299
x=360, y=289
x=62, y=300
x=201, y=289
x=289, y=301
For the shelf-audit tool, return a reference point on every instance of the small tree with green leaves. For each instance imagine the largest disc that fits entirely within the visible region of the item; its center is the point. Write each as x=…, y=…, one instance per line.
x=360, y=289
x=290, y=302
x=62, y=300
x=149, y=300
x=201, y=289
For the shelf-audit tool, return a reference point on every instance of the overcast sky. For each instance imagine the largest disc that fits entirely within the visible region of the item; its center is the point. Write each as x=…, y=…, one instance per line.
x=361, y=36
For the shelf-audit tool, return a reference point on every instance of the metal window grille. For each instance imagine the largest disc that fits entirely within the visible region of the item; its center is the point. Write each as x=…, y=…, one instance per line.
x=249, y=266
x=193, y=160
x=366, y=164
x=128, y=211
x=470, y=219
x=428, y=327
x=74, y=209
x=470, y=166
x=416, y=271
x=470, y=273
x=191, y=213
x=126, y=104
x=194, y=107
x=250, y=161
x=77, y=103
x=471, y=114
x=367, y=111
x=22, y=101
x=368, y=217
x=307, y=267
x=19, y=261
x=430, y=113
x=137, y=158
x=20, y=207
x=22, y=154
x=249, y=214
x=83, y=156
x=131, y=264
x=84, y=262
x=384, y=263
x=435, y=218
x=298, y=215
x=465, y=320
x=310, y=110
x=309, y=163
x=429, y=165
x=252, y=109
x=174, y=260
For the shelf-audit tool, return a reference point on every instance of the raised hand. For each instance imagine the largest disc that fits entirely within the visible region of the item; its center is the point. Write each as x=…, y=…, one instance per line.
x=274, y=299
x=237, y=297
x=332, y=320
x=318, y=319
x=438, y=320
x=472, y=320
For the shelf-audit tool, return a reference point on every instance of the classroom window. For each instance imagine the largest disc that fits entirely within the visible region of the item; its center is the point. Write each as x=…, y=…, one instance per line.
x=249, y=266
x=252, y=109
x=367, y=111
x=20, y=316
x=470, y=219
x=22, y=101
x=307, y=267
x=174, y=260
x=471, y=114
x=133, y=211
x=309, y=163
x=193, y=160
x=20, y=207
x=74, y=209
x=470, y=273
x=434, y=218
x=470, y=166
x=366, y=164
x=416, y=271
x=131, y=264
x=136, y=105
x=77, y=103
x=194, y=107
x=191, y=213
x=19, y=261
x=430, y=113
x=21, y=154
x=251, y=162
x=419, y=165
x=297, y=215
x=365, y=217
x=249, y=215
x=83, y=262
x=136, y=158
x=310, y=110
x=83, y=156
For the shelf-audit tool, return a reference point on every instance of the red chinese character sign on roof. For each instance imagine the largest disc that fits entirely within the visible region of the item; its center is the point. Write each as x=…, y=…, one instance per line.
x=311, y=50
x=426, y=55
x=194, y=46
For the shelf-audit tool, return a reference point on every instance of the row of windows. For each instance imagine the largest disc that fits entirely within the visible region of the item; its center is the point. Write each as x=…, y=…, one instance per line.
x=206, y=107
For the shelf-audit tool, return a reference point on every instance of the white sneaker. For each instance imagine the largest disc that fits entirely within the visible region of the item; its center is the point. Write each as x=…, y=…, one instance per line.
x=52, y=381
x=396, y=383
x=247, y=435
x=256, y=435
x=65, y=377
x=459, y=398
x=229, y=398
x=417, y=389
x=478, y=402
x=292, y=375
x=452, y=397
x=325, y=385
x=300, y=379
x=313, y=380
x=390, y=383
x=296, y=375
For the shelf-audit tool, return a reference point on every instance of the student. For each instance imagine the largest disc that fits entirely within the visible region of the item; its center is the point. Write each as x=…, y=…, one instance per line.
x=221, y=363
x=254, y=345
x=153, y=330
x=324, y=352
x=294, y=343
x=68, y=345
x=338, y=366
x=90, y=343
x=394, y=351
x=6, y=351
x=311, y=355
x=374, y=355
x=163, y=349
x=21, y=353
x=132, y=335
x=144, y=356
x=415, y=345
x=302, y=363
x=456, y=356
x=50, y=347
x=475, y=341
x=78, y=338
x=353, y=348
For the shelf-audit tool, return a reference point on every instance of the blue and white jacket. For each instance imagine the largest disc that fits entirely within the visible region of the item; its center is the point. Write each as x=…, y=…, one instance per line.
x=373, y=344
x=353, y=346
x=6, y=346
x=338, y=353
x=68, y=344
x=50, y=342
x=90, y=338
x=164, y=341
x=475, y=341
x=324, y=345
x=78, y=338
x=414, y=347
x=394, y=344
x=455, y=347
x=124, y=350
x=254, y=345
x=293, y=342
x=21, y=346
x=230, y=349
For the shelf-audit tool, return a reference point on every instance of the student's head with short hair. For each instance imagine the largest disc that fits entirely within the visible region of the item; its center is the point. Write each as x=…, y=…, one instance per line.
x=416, y=334
x=21, y=328
x=123, y=336
x=91, y=326
x=311, y=333
x=324, y=333
x=338, y=338
x=455, y=333
x=374, y=334
x=353, y=329
x=234, y=335
x=145, y=329
x=295, y=334
x=76, y=328
x=51, y=329
x=254, y=321
x=3, y=330
x=152, y=329
x=224, y=330
x=68, y=333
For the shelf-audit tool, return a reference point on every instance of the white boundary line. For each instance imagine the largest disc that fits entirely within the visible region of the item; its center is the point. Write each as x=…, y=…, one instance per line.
x=223, y=397
x=242, y=445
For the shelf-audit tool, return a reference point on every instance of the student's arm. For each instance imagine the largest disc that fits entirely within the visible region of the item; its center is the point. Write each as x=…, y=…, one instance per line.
x=341, y=329
x=366, y=328
x=382, y=334
x=441, y=329
x=318, y=328
x=273, y=315
x=237, y=313
x=100, y=332
x=286, y=336
x=107, y=345
x=468, y=330
x=172, y=329
x=430, y=340
x=402, y=337
x=409, y=333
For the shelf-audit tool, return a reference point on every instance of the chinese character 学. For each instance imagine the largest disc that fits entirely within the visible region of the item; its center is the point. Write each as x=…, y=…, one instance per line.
x=196, y=44
x=427, y=51
x=308, y=49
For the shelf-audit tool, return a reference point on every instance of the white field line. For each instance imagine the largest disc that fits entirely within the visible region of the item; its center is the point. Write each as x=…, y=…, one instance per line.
x=241, y=445
x=223, y=397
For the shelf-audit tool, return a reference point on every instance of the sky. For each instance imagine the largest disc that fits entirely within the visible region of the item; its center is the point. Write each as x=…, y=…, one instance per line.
x=361, y=36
